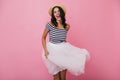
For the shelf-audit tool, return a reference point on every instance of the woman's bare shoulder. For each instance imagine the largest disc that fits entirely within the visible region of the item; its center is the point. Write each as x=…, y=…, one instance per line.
x=68, y=26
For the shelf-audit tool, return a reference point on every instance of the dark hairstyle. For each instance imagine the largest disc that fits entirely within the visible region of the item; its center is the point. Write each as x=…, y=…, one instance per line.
x=62, y=15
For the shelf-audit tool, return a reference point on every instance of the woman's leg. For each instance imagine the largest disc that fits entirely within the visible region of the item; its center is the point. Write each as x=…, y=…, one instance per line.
x=57, y=76
x=63, y=74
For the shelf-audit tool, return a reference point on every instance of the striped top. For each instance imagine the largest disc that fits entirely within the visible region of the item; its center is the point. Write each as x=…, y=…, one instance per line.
x=56, y=35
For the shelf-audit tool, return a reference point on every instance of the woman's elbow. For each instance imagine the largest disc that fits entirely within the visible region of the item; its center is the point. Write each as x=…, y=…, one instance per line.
x=43, y=38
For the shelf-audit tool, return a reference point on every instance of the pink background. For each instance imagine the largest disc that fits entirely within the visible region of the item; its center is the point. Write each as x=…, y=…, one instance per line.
x=95, y=25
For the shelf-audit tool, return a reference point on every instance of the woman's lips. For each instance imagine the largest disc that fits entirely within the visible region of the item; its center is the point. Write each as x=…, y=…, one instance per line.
x=58, y=16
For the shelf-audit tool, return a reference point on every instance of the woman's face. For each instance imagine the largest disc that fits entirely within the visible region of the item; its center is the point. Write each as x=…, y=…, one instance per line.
x=57, y=13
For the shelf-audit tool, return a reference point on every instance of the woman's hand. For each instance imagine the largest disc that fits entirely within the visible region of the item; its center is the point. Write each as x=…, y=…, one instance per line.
x=46, y=54
x=65, y=41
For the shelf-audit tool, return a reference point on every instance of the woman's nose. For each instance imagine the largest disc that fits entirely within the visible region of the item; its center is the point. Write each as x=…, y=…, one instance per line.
x=57, y=14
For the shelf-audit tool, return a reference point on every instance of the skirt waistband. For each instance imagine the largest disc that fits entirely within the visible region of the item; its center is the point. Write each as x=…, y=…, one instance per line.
x=57, y=42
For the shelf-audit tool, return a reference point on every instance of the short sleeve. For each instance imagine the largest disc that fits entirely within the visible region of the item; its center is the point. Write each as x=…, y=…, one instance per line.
x=48, y=26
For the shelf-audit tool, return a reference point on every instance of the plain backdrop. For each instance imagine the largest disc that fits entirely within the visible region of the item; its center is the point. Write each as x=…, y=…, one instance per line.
x=95, y=25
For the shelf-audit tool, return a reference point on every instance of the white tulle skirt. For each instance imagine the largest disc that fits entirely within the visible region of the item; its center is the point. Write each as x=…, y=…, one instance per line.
x=65, y=56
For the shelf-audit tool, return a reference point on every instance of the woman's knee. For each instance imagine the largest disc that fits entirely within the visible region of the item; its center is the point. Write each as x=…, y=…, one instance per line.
x=63, y=74
x=57, y=76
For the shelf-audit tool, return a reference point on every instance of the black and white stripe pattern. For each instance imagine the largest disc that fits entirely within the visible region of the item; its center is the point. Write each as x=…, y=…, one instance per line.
x=56, y=35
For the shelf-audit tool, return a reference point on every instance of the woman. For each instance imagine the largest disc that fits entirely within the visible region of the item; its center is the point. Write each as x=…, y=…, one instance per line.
x=59, y=55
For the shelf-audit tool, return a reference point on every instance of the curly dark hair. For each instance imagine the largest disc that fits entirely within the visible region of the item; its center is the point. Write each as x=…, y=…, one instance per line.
x=62, y=15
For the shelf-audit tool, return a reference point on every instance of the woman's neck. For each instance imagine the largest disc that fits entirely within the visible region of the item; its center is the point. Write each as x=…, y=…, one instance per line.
x=59, y=22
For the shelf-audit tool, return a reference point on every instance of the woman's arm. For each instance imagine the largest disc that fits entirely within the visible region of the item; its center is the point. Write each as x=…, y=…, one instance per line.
x=45, y=32
x=67, y=28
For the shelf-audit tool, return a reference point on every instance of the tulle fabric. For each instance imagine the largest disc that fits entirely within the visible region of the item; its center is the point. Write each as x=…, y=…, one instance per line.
x=65, y=56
